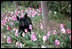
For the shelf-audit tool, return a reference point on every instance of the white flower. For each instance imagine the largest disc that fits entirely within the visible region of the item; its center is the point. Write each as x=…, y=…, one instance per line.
x=21, y=45
x=17, y=30
x=43, y=46
x=44, y=38
x=62, y=30
x=23, y=34
x=4, y=36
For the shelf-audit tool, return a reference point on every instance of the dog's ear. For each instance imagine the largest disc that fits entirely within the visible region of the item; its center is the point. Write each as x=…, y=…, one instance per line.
x=25, y=16
x=17, y=18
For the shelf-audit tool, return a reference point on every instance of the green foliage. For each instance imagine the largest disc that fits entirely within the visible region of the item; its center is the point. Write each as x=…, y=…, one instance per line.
x=63, y=7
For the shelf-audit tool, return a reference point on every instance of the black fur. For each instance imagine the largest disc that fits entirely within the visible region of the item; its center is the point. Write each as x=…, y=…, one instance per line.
x=24, y=23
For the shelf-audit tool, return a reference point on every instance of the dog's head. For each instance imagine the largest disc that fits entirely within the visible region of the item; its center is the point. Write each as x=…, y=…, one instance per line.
x=22, y=21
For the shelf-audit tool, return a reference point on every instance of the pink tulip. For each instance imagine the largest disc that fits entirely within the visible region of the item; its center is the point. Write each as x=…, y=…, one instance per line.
x=9, y=11
x=2, y=14
x=8, y=39
x=62, y=30
x=44, y=38
x=48, y=33
x=18, y=11
x=49, y=11
x=25, y=30
x=26, y=10
x=3, y=17
x=29, y=13
x=30, y=8
x=11, y=23
x=14, y=18
x=15, y=12
x=8, y=19
x=16, y=33
x=23, y=34
x=14, y=29
x=70, y=37
x=61, y=25
x=17, y=43
x=33, y=9
x=32, y=13
x=6, y=11
x=68, y=31
x=41, y=26
x=43, y=46
x=3, y=22
x=35, y=13
x=7, y=14
x=21, y=45
x=30, y=26
x=34, y=38
x=22, y=15
x=57, y=42
x=21, y=11
x=40, y=9
x=8, y=27
x=55, y=12
x=38, y=14
x=32, y=34
x=54, y=31
x=4, y=36
x=37, y=9
x=10, y=14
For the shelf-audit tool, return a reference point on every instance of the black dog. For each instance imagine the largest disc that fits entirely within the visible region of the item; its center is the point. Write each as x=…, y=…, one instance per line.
x=24, y=23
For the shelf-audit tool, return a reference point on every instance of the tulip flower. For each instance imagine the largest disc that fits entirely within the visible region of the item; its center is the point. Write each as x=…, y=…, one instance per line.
x=43, y=46
x=54, y=31
x=62, y=30
x=61, y=25
x=8, y=39
x=57, y=42
x=21, y=45
x=70, y=37
x=17, y=43
x=68, y=31
x=23, y=34
x=41, y=26
x=48, y=33
x=25, y=30
x=44, y=38
x=55, y=12
x=30, y=26
x=8, y=27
